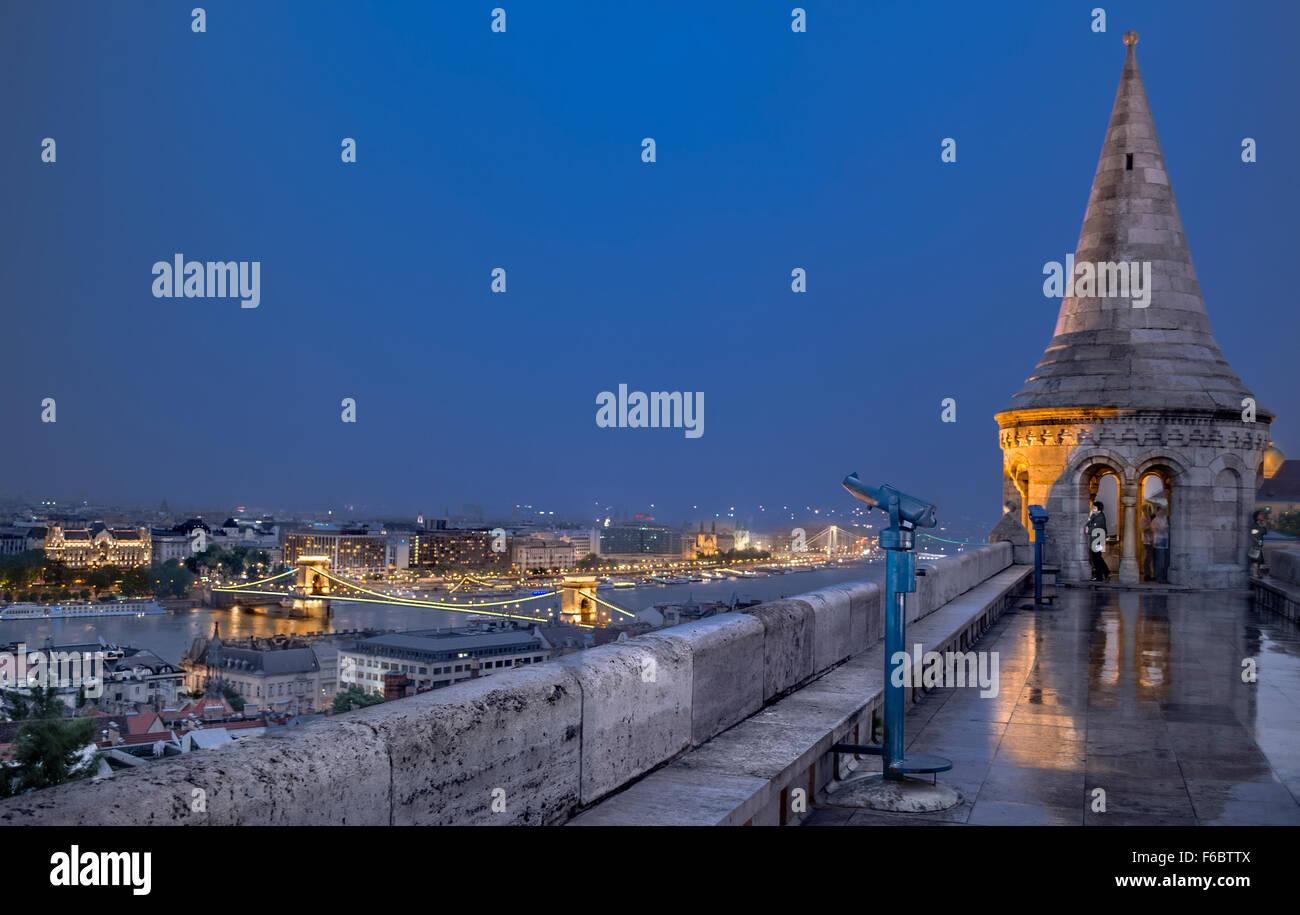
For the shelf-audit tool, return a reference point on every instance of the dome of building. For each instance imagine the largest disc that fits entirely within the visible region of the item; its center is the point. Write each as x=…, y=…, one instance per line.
x=1273, y=461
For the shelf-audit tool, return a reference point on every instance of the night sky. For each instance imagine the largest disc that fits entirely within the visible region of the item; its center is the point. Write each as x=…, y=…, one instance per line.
x=523, y=151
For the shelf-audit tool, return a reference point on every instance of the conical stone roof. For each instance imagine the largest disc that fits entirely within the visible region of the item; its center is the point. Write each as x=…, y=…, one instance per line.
x=1106, y=353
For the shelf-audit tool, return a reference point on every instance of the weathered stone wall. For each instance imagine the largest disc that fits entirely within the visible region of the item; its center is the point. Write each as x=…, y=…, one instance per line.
x=1284, y=565
x=529, y=746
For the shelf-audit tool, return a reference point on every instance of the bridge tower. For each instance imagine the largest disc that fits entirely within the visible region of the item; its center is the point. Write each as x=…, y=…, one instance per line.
x=578, y=602
x=309, y=578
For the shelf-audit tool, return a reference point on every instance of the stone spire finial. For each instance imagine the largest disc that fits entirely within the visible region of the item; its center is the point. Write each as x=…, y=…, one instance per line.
x=1130, y=38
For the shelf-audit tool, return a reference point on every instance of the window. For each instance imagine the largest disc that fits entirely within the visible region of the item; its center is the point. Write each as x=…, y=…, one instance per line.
x=1128, y=162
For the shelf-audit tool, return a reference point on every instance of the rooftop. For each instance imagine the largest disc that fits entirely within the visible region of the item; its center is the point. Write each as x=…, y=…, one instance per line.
x=448, y=640
x=1283, y=486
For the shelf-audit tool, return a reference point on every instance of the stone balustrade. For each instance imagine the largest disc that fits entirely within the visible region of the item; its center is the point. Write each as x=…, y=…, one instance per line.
x=529, y=746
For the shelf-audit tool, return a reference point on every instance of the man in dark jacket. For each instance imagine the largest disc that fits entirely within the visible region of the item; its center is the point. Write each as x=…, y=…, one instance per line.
x=1258, y=528
x=1095, y=531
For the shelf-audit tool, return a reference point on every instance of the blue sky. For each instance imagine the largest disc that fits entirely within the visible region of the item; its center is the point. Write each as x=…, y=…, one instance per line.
x=522, y=150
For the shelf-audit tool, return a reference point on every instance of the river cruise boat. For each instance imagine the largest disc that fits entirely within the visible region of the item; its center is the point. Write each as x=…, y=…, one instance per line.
x=79, y=610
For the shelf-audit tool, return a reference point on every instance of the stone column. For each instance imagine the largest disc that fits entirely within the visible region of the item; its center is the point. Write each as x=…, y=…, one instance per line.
x=1128, y=566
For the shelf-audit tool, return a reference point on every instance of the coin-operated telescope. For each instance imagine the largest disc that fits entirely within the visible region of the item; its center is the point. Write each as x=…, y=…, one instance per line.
x=906, y=513
x=885, y=497
x=1038, y=518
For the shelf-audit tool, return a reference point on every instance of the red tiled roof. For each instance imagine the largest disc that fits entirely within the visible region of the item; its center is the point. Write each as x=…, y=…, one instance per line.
x=141, y=724
x=240, y=725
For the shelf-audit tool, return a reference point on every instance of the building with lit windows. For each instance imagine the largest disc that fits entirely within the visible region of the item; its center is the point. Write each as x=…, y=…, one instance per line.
x=460, y=549
x=349, y=551
x=529, y=553
x=639, y=540
x=99, y=545
x=433, y=658
x=167, y=544
x=279, y=674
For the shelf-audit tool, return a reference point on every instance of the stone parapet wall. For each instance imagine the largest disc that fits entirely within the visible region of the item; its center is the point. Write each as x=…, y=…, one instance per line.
x=1284, y=564
x=529, y=746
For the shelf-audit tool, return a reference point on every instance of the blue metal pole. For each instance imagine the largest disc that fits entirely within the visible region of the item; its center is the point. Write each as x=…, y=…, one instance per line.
x=900, y=579
x=1038, y=563
x=895, y=634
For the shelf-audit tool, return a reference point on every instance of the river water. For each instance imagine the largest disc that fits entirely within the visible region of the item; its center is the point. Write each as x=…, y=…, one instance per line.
x=169, y=635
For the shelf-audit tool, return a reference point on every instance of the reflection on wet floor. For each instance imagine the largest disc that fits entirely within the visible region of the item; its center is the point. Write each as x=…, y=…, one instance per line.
x=1140, y=695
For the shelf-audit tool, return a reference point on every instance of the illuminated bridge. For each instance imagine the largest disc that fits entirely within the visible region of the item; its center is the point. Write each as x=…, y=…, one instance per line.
x=313, y=583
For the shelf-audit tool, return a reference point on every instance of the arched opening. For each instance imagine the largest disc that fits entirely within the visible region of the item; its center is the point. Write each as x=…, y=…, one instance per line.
x=1021, y=480
x=1104, y=487
x=1155, y=524
x=1154, y=516
x=1015, y=489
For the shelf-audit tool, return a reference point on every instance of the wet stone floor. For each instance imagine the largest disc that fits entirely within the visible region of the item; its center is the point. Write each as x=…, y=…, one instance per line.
x=1140, y=695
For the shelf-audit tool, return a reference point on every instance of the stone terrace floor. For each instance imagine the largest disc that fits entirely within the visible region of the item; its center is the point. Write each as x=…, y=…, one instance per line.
x=1138, y=693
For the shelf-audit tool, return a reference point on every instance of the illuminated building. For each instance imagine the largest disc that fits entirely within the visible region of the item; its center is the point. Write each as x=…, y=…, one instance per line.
x=1132, y=406
x=1279, y=491
x=97, y=545
x=527, y=553
x=348, y=551
x=280, y=674
x=704, y=543
x=461, y=549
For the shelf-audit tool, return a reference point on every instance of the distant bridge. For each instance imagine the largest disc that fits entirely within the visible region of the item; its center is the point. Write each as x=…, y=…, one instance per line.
x=315, y=583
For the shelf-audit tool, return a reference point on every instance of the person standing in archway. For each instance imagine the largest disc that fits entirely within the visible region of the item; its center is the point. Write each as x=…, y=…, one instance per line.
x=1160, y=538
x=1258, y=528
x=1148, y=542
x=1095, y=531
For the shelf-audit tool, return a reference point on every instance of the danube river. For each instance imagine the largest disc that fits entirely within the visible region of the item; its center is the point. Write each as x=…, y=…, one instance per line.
x=169, y=635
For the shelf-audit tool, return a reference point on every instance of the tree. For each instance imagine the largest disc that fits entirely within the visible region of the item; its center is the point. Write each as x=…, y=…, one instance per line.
x=590, y=561
x=21, y=569
x=172, y=579
x=135, y=582
x=56, y=572
x=1286, y=523
x=50, y=748
x=101, y=577
x=355, y=697
x=232, y=696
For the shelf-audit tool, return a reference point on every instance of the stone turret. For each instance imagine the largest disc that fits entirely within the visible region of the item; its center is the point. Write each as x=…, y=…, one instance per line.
x=1134, y=385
